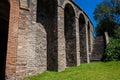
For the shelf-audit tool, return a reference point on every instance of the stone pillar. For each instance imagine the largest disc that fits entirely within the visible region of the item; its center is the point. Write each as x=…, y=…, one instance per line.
x=77, y=43
x=91, y=36
x=61, y=40
x=87, y=44
x=12, y=40
x=106, y=38
x=91, y=40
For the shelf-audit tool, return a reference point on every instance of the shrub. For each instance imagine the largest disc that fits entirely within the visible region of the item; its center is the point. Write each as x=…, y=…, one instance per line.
x=117, y=32
x=112, y=51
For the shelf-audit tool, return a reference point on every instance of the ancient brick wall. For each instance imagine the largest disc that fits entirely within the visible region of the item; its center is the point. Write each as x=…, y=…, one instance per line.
x=46, y=35
x=98, y=48
x=32, y=43
x=12, y=40
x=99, y=45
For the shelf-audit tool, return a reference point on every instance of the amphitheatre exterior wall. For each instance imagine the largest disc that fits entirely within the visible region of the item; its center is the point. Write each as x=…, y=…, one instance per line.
x=37, y=42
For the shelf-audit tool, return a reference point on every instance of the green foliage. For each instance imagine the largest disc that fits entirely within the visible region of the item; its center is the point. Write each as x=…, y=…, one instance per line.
x=107, y=14
x=103, y=10
x=105, y=25
x=92, y=71
x=112, y=52
x=117, y=32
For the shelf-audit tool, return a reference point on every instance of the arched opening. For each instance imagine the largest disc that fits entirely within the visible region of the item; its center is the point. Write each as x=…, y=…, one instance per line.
x=70, y=35
x=82, y=34
x=4, y=24
x=47, y=16
x=89, y=39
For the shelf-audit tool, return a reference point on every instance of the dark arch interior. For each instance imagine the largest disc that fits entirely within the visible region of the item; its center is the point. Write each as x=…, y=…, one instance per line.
x=88, y=28
x=4, y=23
x=82, y=33
x=70, y=35
x=47, y=16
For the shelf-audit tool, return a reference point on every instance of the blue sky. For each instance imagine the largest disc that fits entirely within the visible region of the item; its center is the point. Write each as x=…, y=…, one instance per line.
x=88, y=6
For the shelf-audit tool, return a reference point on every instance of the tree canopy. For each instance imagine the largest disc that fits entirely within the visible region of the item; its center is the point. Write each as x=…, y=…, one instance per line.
x=107, y=15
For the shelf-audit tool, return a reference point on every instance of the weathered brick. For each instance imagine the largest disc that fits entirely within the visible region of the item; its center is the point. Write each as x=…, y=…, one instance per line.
x=42, y=38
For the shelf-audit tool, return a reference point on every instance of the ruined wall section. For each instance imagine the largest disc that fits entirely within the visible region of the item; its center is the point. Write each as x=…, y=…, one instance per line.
x=31, y=53
x=21, y=62
x=40, y=39
x=98, y=48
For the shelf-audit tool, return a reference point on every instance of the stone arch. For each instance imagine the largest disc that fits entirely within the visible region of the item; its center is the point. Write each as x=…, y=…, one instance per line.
x=82, y=36
x=70, y=35
x=66, y=2
x=4, y=23
x=47, y=16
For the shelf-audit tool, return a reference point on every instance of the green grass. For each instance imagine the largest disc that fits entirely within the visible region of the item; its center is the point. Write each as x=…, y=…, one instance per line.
x=92, y=71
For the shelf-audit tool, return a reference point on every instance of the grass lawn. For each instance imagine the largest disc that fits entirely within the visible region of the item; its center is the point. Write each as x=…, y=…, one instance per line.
x=92, y=71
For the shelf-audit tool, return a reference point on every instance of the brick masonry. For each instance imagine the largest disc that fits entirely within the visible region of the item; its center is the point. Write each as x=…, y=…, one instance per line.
x=46, y=35
x=98, y=49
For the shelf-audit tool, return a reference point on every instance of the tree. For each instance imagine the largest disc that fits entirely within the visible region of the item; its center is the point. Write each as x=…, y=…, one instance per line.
x=107, y=15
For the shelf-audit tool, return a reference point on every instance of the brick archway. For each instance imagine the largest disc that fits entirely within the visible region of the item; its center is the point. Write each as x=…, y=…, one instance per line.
x=82, y=33
x=48, y=37
x=70, y=35
x=47, y=16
